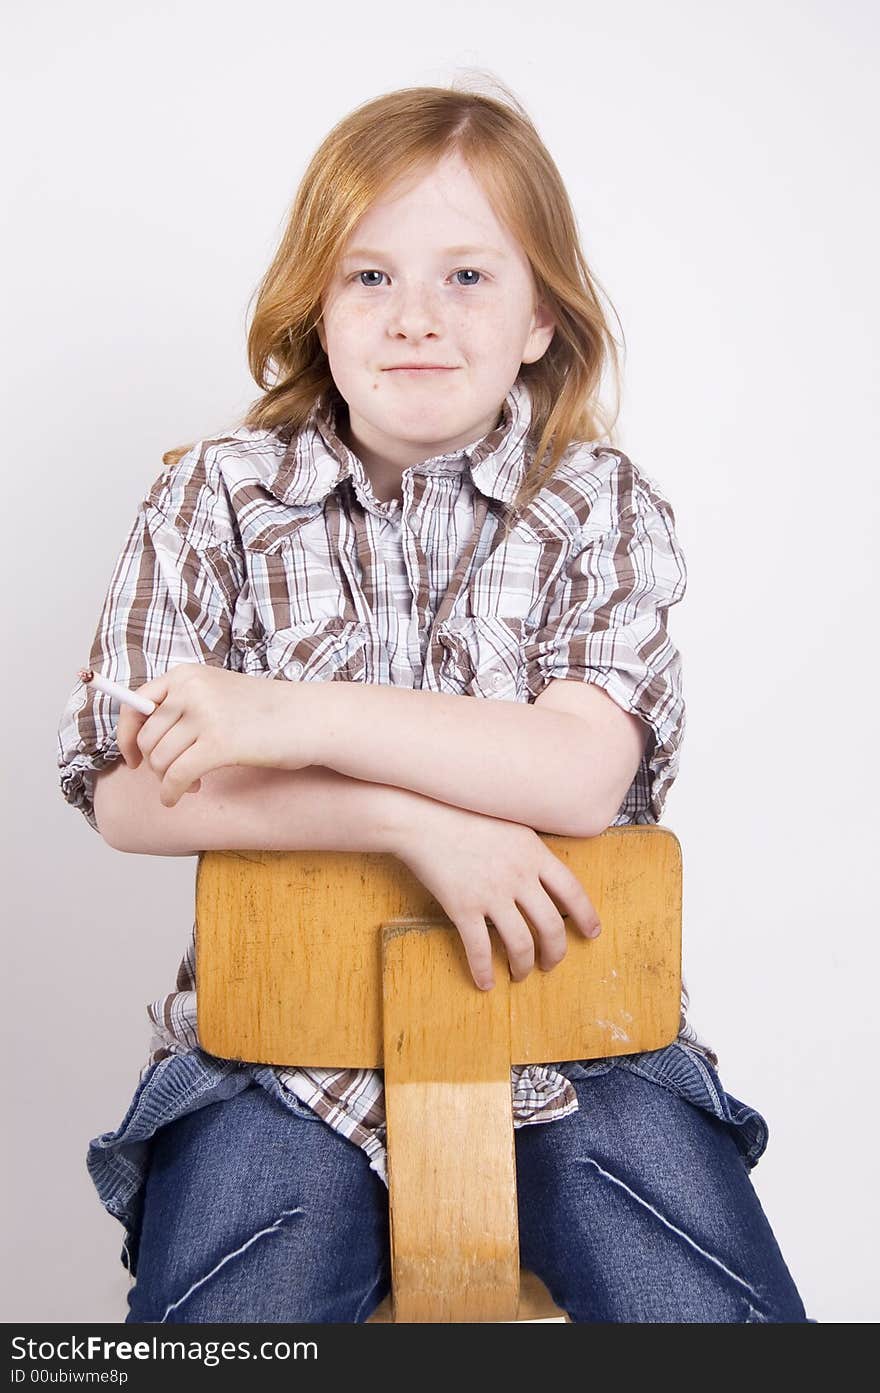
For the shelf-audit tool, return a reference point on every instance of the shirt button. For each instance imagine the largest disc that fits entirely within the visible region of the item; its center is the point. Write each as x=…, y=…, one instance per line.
x=499, y=679
x=295, y=668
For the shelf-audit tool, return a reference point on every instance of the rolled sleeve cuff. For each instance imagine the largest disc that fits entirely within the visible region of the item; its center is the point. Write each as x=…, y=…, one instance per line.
x=655, y=697
x=659, y=765
x=77, y=776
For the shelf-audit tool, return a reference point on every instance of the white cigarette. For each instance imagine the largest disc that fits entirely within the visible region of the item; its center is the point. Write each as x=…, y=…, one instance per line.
x=115, y=689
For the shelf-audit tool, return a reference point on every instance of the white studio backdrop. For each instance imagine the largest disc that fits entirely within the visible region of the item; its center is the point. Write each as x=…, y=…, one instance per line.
x=717, y=158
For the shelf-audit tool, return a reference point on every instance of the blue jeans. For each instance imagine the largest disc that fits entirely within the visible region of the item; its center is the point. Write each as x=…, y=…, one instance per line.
x=636, y=1208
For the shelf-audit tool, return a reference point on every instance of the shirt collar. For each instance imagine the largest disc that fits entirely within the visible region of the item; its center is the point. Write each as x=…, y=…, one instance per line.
x=317, y=460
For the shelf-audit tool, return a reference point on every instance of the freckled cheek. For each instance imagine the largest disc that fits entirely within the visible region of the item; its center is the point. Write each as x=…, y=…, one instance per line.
x=471, y=330
x=350, y=321
x=483, y=332
x=350, y=337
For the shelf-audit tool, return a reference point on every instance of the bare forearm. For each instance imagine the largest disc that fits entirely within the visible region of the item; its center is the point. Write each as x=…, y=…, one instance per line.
x=506, y=759
x=242, y=808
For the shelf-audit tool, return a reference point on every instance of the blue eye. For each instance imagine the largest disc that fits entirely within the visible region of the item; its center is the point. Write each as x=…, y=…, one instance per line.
x=465, y=271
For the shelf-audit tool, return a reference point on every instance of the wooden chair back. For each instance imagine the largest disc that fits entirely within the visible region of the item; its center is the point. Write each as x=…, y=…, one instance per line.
x=344, y=960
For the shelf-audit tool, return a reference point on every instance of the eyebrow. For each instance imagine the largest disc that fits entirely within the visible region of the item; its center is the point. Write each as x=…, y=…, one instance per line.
x=365, y=253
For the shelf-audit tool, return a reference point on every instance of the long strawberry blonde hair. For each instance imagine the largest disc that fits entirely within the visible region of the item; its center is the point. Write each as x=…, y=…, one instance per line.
x=404, y=133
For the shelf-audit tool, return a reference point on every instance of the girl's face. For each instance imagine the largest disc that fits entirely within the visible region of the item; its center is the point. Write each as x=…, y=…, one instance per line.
x=429, y=276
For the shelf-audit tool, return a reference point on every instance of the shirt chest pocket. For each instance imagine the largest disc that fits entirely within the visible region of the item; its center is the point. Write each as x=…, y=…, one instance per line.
x=483, y=656
x=317, y=650
x=320, y=650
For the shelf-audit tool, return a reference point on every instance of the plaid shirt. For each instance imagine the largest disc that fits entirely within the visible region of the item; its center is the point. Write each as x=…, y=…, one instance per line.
x=267, y=552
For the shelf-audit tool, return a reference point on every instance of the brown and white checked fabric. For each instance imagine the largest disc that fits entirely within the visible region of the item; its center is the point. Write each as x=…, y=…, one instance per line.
x=266, y=551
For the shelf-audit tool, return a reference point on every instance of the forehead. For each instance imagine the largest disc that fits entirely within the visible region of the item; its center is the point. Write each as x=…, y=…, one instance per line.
x=442, y=207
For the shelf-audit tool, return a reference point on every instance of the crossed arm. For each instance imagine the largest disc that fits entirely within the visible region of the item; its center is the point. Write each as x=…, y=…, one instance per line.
x=562, y=766
x=565, y=761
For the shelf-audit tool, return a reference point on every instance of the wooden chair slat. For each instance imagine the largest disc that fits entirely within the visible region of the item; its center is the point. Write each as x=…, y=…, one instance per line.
x=280, y=934
x=451, y=1162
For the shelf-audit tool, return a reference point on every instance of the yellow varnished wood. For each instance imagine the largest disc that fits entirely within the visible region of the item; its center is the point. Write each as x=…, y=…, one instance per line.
x=343, y=960
x=279, y=935
x=535, y=1303
x=619, y=993
x=451, y=1163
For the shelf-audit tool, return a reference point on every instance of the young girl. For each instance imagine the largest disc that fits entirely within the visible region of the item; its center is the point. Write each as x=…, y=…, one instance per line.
x=417, y=510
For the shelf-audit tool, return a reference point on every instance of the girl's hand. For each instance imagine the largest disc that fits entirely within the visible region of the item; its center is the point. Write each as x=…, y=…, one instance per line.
x=477, y=866
x=208, y=717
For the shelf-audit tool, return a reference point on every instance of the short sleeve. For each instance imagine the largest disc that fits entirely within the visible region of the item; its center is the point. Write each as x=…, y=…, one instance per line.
x=607, y=624
x=170, y=600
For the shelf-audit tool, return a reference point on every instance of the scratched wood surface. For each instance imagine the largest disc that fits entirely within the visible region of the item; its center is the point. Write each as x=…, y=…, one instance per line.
x=289, y=954
x=451, y=1157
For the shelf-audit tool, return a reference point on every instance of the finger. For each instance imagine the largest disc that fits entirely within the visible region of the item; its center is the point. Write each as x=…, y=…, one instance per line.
x=176, y=756
x=547, y=924
x=517, y=939
x=184, y=772
x=156, y=728
x=475, y=936
x=163, y=740
x=127, y=730
x=570, y=896
x=132, y=722
x=157, y=688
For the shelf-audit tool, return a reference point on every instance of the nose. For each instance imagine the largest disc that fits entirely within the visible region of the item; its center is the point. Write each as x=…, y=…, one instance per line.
x=414, y=312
